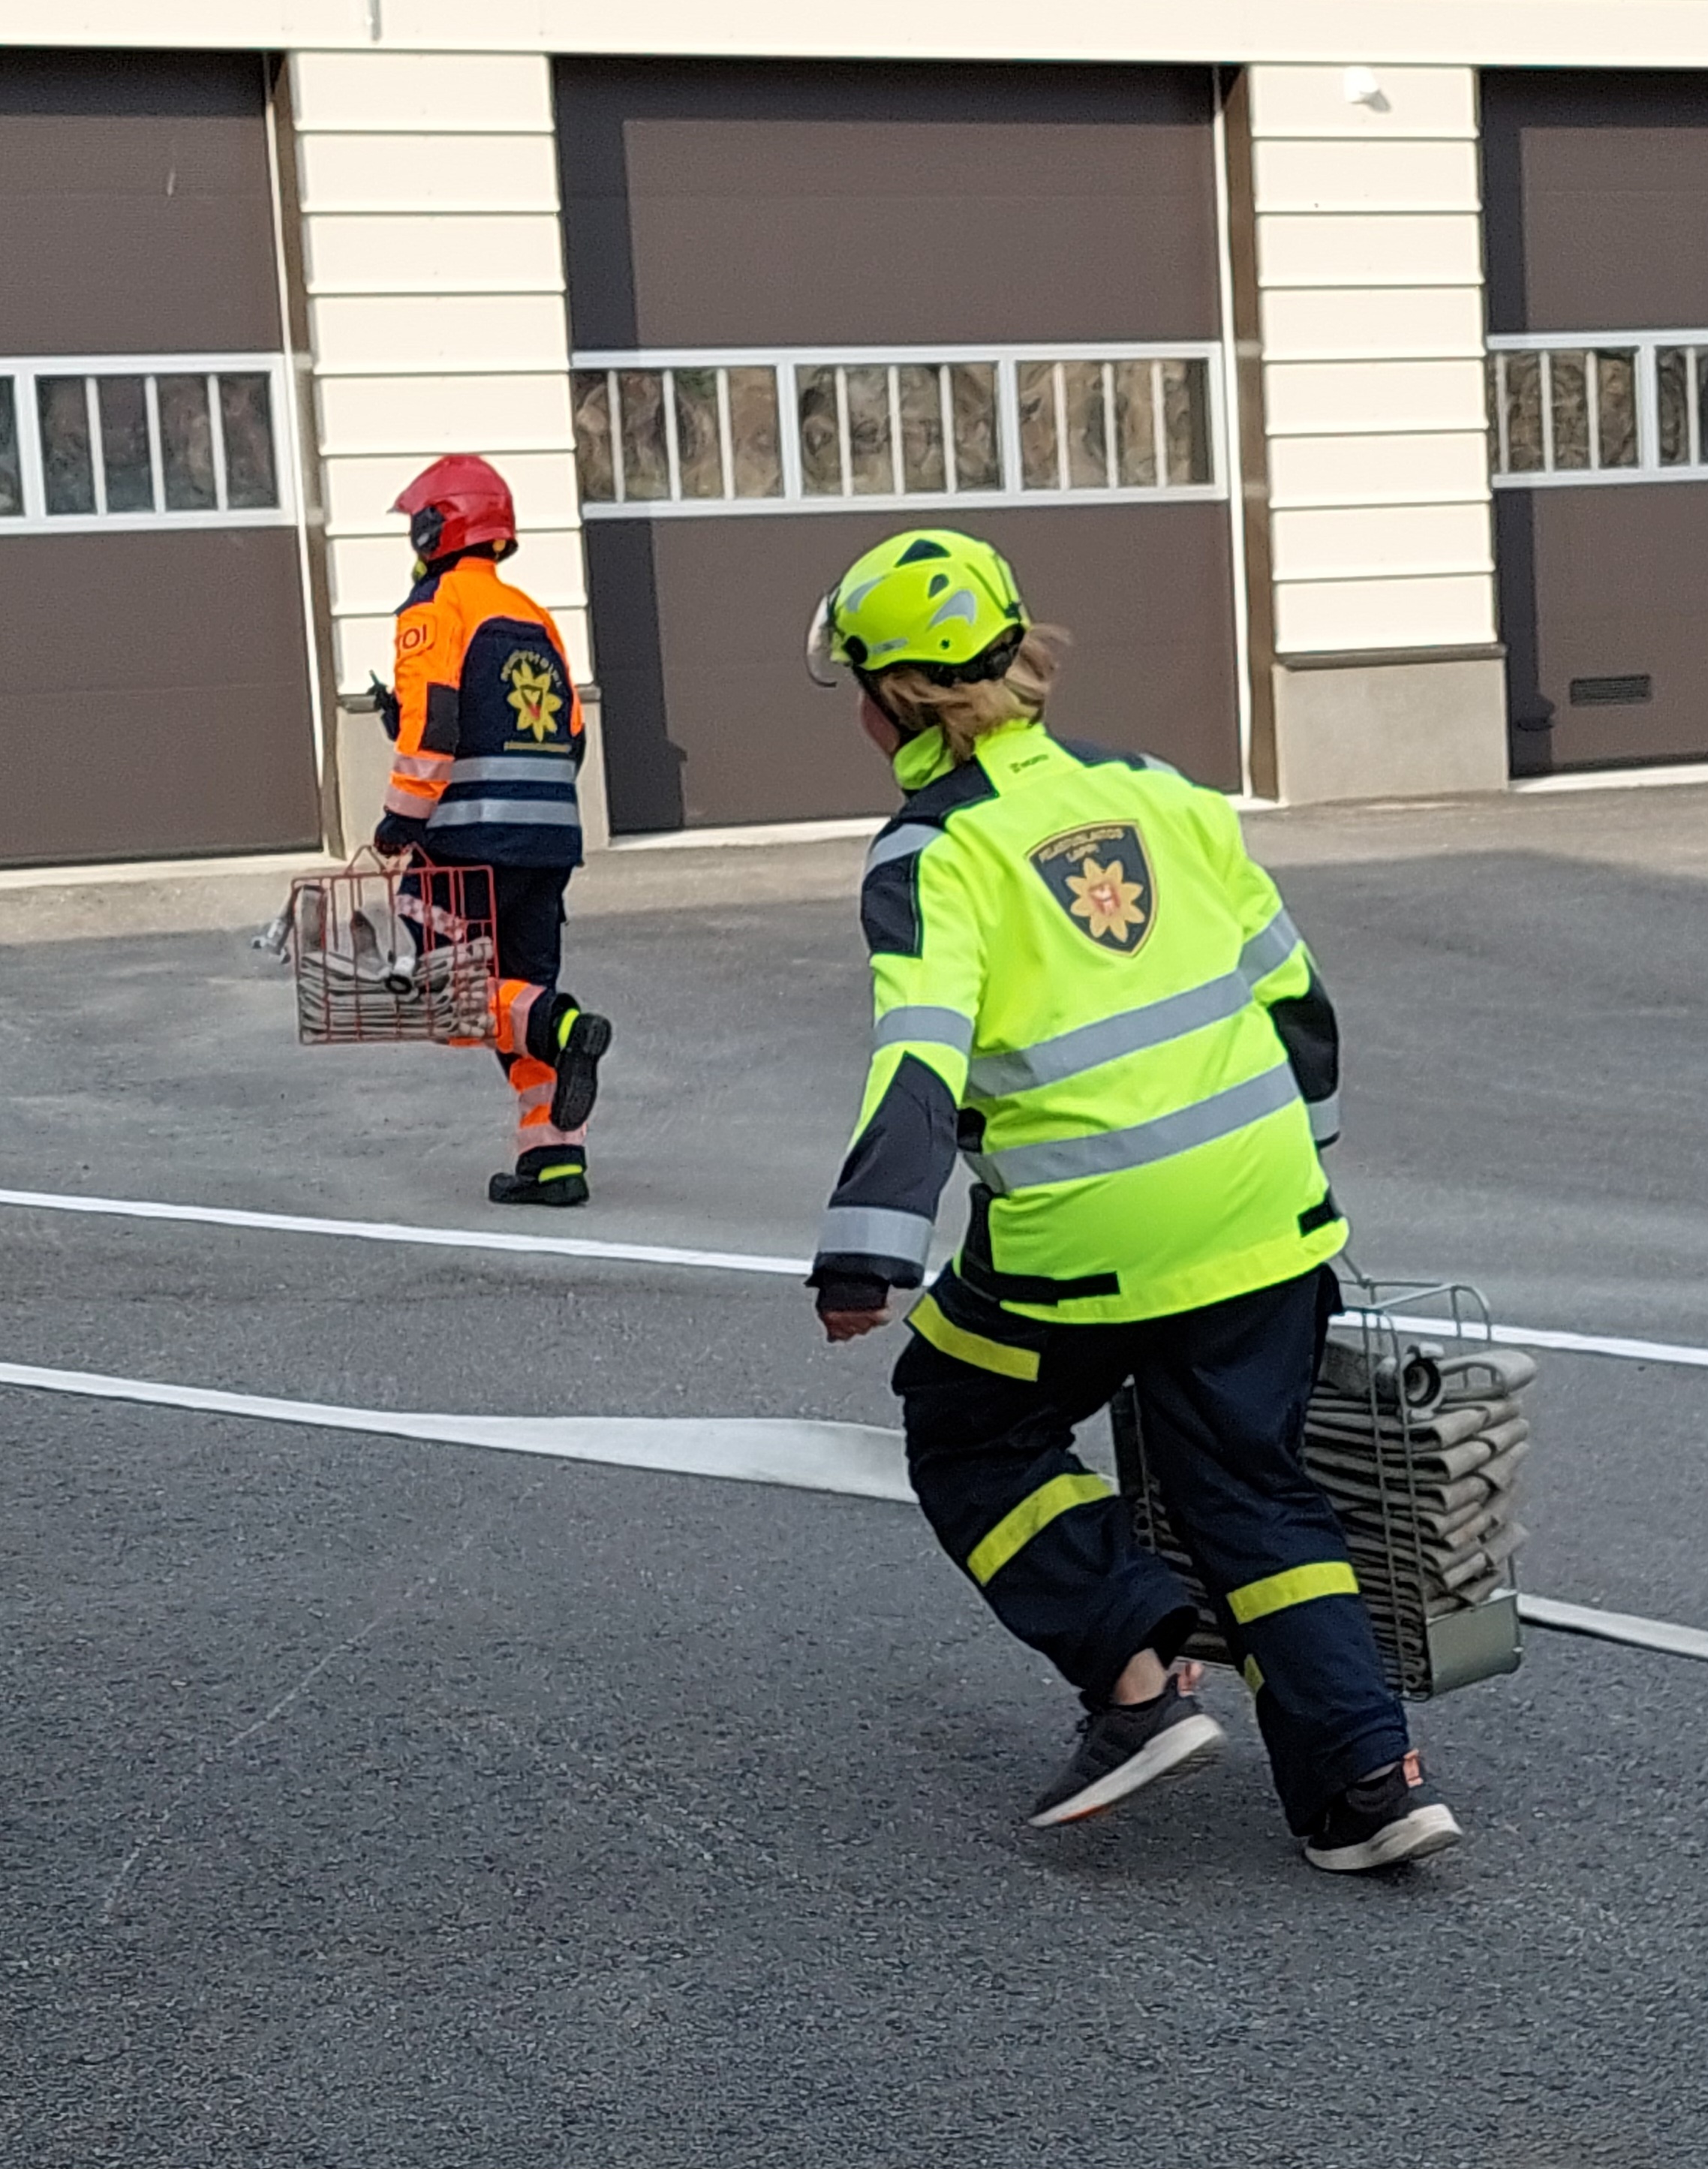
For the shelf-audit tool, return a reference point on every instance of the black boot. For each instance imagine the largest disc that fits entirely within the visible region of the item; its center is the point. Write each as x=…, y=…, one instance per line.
x=579, y=1039
x=549, y=1175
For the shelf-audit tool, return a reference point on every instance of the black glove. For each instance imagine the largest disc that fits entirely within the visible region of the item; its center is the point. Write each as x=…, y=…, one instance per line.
x=397, y=833
x=858, y=1291
x=386, y=706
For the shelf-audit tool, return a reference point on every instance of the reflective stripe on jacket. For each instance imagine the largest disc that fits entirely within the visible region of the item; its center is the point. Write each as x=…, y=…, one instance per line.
x=1082, y=980
x=489, y=733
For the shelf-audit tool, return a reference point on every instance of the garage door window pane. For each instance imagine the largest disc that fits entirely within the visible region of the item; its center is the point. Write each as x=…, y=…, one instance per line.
x=1186, y=421
x=124, y=460
x=646, y=445
x=699, y=443
x=978, y=452
x=1524, y=413
x=821, y=433
x=246, y=415
x=186, y=443
x=919, y=397
x=1615, y=385
x=590, y=398
x=1569, y=405
x=1036, y=384
x=1672, y=405
x=67, y=471
x=1699, y=381
x=756, y=446
x=11, y=472
x=1088, y=443
x=1135, y=424
x=870, y=463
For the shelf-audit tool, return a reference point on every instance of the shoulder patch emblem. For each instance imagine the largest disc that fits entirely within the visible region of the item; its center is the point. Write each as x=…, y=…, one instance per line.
x=533, y=692
x=1101, y=877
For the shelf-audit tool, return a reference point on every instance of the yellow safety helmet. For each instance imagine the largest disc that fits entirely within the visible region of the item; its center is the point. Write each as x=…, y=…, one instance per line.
x=944, y=602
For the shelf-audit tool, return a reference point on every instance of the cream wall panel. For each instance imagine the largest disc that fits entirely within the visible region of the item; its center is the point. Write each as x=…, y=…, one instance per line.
x=1344, y=542
x=1324, y=33
x=1312, y=102
x=377, y=336
x=433, y=256
x=365, y=649
x=1401, y=323
x=1333, y=398
x=1369, y=260
x=542, y=484
x=1430, y=248
x=574, y=630
x=428, y=172
x=365, y=646
x=424, y=92
x=371, y=574
x=429, y=415
x=1339, y=615
x=516, y=252
x=1378, y=470
x=1377, y=175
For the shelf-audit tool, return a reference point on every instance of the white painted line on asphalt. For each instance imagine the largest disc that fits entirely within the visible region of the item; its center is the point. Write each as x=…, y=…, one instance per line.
x=1580, y=1344
x=1627, y=1628
x=727, y=1261
x=397, y=1231
x=859, y=1461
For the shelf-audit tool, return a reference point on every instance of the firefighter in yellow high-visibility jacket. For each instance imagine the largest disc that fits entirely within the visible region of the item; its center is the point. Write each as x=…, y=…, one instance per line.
x=1084, y=982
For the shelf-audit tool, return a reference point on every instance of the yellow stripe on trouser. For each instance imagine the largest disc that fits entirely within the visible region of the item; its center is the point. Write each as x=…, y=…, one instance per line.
x=1017, y=1528
x=926, y=1320
x=1297, y=1584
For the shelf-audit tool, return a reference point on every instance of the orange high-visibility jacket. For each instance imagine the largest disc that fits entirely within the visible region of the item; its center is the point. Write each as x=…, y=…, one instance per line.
x=490, y=735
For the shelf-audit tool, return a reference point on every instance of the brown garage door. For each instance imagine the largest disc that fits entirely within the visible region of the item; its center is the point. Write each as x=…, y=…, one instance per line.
x=155, y=699
x=1596, y=190
x=811, y=306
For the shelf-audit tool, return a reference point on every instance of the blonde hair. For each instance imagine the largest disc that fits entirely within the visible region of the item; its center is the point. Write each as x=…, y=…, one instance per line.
x=968, y=713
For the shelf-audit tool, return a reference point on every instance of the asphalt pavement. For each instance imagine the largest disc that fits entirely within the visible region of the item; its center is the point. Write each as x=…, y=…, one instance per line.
x=367, y=1801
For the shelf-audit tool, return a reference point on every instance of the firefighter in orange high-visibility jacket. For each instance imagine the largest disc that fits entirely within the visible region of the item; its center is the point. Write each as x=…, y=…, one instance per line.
x=489, y=741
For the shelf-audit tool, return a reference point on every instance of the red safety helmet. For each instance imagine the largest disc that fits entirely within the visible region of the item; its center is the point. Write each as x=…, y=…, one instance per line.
x=459, y=501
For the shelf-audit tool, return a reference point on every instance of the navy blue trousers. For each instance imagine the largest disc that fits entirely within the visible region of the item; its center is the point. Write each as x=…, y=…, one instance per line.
x=1222, y=1392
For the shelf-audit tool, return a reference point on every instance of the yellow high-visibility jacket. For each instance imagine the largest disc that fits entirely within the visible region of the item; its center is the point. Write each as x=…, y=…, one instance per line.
x=1083, y=982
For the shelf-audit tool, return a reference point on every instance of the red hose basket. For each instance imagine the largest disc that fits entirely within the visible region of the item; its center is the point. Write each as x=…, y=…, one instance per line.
x=395, y=952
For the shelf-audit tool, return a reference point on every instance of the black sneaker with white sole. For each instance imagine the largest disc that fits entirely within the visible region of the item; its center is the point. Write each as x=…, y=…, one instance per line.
x=582, y=1041
x=1124, y=1747
x=1381, y=1821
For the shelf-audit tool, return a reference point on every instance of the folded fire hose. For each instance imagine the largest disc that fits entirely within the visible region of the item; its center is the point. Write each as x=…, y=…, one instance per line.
x=1418, y=1443
x=385, y=953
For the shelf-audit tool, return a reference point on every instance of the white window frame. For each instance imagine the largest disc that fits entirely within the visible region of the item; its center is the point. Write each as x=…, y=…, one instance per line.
x=35, y=519
x=786, y=361
x=1646, y=346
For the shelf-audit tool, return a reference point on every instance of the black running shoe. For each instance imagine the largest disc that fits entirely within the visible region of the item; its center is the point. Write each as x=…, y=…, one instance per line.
x=581, y=1048
x=1125, y=1746
x=557, y=1176
x=1381, y=1821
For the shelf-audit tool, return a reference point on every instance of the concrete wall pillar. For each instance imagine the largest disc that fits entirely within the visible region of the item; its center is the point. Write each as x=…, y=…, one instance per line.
x=433, y=261
x=1387, y=679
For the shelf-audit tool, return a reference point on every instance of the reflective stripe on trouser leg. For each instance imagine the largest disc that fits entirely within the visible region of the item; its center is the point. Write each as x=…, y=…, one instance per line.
x=1049, y=1546
x=534, y=1083
x=1222, y=1392
x=1294, y=1585
x=516, y=1000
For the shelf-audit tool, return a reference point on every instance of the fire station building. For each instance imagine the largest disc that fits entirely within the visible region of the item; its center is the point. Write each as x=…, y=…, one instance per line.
x=1338, y=374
